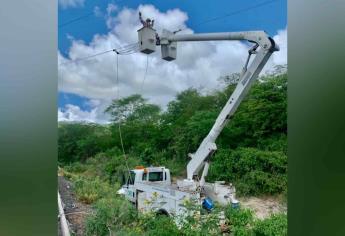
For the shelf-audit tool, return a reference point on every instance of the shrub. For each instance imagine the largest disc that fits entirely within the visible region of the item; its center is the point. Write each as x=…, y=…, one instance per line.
x=159, y=225
x=274, y=143
x=198, y=221
x=90, y=190
x=79, y=141
x=116, y=167
x=76, y=167
x=252, y=170
x=239, y=220
x=110, y=214
x=276, y=225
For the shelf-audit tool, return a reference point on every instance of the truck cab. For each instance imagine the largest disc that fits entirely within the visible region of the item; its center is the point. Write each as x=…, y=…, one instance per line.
x=159, y=176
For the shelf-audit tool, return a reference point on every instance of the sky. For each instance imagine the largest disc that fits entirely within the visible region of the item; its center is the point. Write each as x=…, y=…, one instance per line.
x=88, y=27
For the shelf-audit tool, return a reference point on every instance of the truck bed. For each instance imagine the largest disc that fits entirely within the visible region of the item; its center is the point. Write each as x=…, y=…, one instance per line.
x=155, y=195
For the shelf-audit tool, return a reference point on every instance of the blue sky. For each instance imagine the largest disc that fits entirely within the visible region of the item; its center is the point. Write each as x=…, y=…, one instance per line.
x=271, y=17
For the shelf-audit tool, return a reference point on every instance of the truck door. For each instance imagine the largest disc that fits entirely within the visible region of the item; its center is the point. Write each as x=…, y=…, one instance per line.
x=131, y=192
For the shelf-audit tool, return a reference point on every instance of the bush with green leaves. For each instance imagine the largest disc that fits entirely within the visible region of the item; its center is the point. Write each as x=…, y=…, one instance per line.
x=116, y=167
x=80, y=141
x=276, y=225
x=76, y=167
x=239, y=221
x=243, y=223
x=110, y=214
x=198, y=221
x=253, y=171
x=153, y=224
x=90, y=190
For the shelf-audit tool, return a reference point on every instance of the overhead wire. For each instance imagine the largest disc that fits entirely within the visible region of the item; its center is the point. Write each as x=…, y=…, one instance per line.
x=128, y=50
x=125, y=50
x=75, y=19
x=82, y=17
x=87, y=57
x=134, y=47
x=118, y=96
x=231, y=13
x=145, y=74
x=119, y=121
x=235, y=12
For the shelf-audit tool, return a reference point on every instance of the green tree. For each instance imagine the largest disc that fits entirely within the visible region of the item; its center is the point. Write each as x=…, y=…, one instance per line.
x=133, y=108
x=138, y=122
x=78, y=141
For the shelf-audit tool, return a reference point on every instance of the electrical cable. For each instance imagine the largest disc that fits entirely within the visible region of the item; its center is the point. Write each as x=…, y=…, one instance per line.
x=145, y=74
x=81, y=17
x=75, y=20
x=119, y=121
x=231, y=14
x=134, y=47
x=236, y=12
x=87, y=57
x=125, y=50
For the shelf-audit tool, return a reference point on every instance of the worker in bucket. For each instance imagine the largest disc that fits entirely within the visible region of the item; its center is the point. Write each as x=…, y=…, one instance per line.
x=147, y=23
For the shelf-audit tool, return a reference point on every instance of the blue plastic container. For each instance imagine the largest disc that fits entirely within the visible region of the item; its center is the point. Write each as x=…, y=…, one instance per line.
x=208, y=204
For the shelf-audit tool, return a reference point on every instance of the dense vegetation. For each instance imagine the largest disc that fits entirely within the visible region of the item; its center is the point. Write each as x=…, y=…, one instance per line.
x=251, y=154
x=112, y=213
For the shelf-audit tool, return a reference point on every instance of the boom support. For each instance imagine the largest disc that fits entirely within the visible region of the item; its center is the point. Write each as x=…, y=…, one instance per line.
x=208, y=146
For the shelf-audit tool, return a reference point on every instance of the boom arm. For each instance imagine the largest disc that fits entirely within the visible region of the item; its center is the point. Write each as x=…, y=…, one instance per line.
x=266, y=47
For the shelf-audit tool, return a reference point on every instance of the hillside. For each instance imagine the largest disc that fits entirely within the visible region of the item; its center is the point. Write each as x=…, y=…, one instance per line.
x=252, y=151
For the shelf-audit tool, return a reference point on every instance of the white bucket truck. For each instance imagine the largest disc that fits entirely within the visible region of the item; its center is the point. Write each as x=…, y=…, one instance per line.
x=151, y=189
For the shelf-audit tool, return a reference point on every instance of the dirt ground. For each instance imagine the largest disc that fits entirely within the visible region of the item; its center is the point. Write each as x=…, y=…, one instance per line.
x=76, y=212
x=263, y=207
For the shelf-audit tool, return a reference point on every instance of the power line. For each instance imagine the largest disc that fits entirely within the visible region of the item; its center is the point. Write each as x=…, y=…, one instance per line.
x=131, y=50
x=125, y=50
x=76, y=19
x=232, y=13
x=145, y=74
x=81, y=17
x=119, y=122
x=235, y=12
x=200, y=23
x=87, y=57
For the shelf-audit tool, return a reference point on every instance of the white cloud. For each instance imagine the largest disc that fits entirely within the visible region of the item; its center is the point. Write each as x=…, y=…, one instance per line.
x=97, y=11
x=71, y=3
x=280, y=58
x=111, y=8
x=198, y=64
x=72, y=113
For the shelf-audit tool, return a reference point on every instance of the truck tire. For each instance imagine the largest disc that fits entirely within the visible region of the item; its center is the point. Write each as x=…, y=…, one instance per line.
x=162, y=212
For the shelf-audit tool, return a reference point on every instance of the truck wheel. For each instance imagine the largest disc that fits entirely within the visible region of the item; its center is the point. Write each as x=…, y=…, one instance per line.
x=162, y=212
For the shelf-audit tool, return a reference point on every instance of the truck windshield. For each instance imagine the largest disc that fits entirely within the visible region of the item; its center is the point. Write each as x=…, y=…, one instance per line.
x=156, y=176
x=131, y=178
